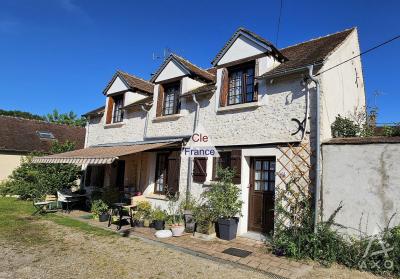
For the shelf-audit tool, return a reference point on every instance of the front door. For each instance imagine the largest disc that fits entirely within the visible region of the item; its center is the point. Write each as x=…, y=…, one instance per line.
x=262, y=195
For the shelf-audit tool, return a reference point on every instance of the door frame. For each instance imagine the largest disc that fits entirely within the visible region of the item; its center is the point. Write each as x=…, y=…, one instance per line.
x=252, y=183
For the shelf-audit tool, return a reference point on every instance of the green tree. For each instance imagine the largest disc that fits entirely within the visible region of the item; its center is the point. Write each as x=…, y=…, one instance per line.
x=69, y=118
x=21, y=114
x=31, y=180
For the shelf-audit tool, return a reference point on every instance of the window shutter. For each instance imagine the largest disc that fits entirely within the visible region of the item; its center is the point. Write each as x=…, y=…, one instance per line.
x=236, y=164
x=160, y=100
x=199, y=169
x=224, y=87
x=110, y=107
x=173, y=172
x=214, y=168
x=256, y=73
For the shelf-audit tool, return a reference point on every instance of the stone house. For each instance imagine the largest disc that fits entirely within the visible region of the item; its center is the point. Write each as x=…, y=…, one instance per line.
x=254, y=99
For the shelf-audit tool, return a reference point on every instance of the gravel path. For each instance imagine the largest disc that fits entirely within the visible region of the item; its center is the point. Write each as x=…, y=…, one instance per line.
x=70, y=253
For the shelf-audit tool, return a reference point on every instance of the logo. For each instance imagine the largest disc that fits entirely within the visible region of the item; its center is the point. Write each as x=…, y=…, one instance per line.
x=200, y=145
x=385, y=248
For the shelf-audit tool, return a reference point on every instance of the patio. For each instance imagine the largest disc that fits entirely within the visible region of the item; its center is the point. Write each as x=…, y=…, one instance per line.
x=259, y=258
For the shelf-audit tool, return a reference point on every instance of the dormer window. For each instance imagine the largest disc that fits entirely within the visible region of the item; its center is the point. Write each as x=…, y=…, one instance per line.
x=118, y=113
x=168, y=99
x=115, y=112
x=171, y=97
x=241, y=84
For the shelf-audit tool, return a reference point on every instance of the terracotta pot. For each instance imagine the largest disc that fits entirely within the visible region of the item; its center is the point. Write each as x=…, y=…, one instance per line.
x=177, y=230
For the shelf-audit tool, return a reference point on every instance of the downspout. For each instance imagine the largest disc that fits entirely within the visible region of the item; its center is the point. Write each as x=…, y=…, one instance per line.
x=318, y=150
x=146, y=122
x=190, y=162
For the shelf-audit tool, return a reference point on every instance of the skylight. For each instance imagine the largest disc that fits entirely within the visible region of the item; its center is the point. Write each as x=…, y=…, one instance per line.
x=45, y=135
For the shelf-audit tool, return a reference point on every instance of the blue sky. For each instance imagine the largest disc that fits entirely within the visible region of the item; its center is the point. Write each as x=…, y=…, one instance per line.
x=61, y=53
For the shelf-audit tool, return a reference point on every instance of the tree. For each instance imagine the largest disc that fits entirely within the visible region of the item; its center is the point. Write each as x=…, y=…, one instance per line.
x=31, y=180
x=21, y=114
x=65, y=118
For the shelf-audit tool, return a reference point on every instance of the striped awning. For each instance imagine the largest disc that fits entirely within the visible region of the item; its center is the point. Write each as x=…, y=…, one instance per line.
x=101, y=155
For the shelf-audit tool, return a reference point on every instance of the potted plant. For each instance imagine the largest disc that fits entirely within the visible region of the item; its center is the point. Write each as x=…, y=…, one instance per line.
x=187, y=206
x=175, y=220
x=143, y=214
x=100, y=210
x=159, y=217
x=203, y=217
x=223, y=198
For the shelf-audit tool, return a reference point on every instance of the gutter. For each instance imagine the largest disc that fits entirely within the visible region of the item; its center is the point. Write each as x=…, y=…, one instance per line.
x=287, y=72
x=318, y=150
x=146, y=122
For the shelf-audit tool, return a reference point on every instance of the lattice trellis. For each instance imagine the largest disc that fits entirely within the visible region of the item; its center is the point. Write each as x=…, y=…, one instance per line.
x=294, y=169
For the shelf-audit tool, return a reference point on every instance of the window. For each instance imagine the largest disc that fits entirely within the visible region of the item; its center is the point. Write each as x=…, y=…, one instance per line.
x=171, y=98
x=241, y=84
x=264, y=174
x=118, y=114
x=224, y=160
x=45, y=135
x=161, y=173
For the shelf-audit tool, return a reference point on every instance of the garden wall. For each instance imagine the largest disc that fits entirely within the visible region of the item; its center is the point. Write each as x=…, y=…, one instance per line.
x=363, y=174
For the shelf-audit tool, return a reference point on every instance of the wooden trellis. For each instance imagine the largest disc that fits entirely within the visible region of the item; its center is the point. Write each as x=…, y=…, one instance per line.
x=294, y=169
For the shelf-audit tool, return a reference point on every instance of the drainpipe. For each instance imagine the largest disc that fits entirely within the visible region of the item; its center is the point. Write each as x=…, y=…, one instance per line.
x=318, y=149
x=190, y=163
x=147, y=120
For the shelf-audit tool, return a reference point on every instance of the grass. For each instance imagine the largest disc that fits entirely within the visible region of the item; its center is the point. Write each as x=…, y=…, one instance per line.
x=19, y=226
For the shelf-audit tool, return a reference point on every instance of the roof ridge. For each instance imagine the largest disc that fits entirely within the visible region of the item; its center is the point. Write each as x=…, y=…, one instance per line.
x=41, y=121
x=319, y=38
x=134, y=76
x=187, y=61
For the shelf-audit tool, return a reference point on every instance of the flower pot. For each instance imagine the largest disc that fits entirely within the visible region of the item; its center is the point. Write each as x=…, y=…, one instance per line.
x=189, y=221
x=103, y=217
x=139, y=223
x=177, y=230
x=146, y=223
x=158, y=225
x=227, y=228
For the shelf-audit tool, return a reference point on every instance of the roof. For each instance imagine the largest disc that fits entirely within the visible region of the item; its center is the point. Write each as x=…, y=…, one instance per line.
x=363, y=140
x=99, y=155
x=193, y=69
x=21, y=135
x=207, y=88
x=95, y=112
x=311, y=52
x=145, y=101
x=132, y=82
x=247, y=33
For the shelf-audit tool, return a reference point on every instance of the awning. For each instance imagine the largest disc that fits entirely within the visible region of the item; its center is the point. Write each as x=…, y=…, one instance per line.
x=98, y=155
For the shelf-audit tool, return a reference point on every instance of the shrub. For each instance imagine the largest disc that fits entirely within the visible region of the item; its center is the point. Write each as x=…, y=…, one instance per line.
x=223, y=197
x=344, y=127
x=203, y=216
x=158, y=214
x=99, y=207
x=31, y=180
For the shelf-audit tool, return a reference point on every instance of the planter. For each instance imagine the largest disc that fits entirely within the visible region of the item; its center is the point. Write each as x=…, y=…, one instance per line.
x=227, y=228
x=158, y=225
x=103, y=217
x=189, y=221
x=177, y=230
x=139, y=224
x=146, y=223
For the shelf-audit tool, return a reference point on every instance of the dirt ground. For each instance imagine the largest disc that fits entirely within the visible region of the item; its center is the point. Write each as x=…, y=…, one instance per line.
x=65, y=252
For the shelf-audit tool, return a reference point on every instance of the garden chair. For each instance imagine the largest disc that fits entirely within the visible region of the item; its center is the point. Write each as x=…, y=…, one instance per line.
x=52, y=199
x=67, y=201
x=40, y=207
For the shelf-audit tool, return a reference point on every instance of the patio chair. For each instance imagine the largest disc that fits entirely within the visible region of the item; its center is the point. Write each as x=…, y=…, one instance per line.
x=52, y=199
x=66, y=200
x=40, y=207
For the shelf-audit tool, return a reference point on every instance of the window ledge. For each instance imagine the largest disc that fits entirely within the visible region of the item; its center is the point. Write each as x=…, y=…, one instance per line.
x=252, y=105
x=114, y=125
x=156, y=197
x=167, y=118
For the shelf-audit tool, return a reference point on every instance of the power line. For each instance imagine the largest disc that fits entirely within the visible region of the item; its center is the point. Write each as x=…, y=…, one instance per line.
x=279, y=24
x=362, y=53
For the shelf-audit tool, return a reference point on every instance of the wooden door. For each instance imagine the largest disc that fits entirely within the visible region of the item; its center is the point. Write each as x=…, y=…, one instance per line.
x=262, y=195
